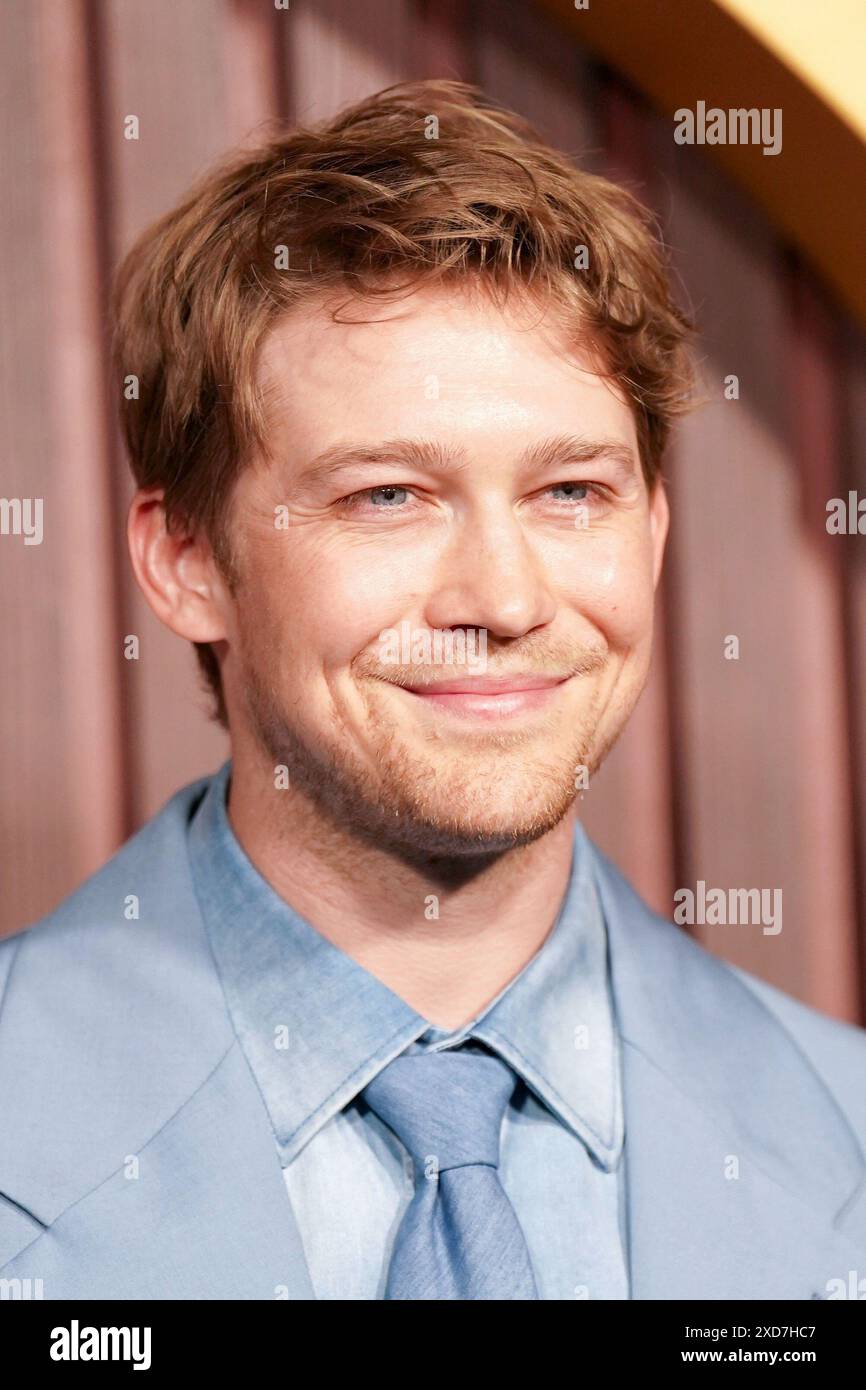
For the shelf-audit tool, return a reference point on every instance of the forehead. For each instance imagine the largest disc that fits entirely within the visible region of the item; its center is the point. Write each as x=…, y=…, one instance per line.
x=444, y=357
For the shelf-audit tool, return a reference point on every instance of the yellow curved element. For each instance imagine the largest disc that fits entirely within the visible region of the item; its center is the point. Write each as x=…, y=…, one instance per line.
x=799, y=56
x=824, y=44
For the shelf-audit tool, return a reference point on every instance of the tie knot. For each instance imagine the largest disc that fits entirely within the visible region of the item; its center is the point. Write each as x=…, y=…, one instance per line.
x=444, y=1105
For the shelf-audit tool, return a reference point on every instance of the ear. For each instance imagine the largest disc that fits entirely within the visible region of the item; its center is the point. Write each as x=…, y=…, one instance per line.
x=176, y=572
x=659, y=523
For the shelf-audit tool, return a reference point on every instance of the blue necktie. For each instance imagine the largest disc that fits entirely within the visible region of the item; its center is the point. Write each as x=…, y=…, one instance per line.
x=460, y=1237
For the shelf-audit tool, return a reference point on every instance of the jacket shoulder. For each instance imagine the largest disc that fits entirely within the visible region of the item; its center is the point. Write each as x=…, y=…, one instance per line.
x=122, y=925
x=152, y=855
x=756, y=1049
x=835, y=1049
x=112, y=1018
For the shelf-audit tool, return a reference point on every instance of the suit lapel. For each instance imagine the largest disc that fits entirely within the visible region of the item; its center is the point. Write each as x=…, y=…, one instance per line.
x=201, y=1212
x=136, y=1157
x=743, y=1178
x=706, y=1221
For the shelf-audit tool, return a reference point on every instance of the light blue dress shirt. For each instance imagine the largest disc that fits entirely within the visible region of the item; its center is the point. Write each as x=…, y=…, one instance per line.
x=316, y=1027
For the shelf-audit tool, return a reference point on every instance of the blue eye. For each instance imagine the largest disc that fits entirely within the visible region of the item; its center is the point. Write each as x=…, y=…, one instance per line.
x=387, y=496
x=575, y=492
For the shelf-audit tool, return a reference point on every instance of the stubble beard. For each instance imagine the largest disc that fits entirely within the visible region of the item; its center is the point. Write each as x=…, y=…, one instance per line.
x=451, y=801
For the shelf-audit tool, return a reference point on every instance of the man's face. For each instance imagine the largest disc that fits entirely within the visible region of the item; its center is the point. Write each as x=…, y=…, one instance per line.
x=442, y=469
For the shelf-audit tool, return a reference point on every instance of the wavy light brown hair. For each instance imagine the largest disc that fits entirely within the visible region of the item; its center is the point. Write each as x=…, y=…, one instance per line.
x=424, y=181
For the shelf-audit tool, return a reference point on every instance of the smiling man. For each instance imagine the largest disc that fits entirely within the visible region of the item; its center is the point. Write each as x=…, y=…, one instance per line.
x=384, y=1023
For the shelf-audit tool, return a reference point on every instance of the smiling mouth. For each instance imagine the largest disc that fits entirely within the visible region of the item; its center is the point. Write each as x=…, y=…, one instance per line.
x=489, y=697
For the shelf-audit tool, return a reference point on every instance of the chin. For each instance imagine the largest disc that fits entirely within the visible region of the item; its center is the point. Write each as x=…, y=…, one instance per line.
x=423, y=799
x=493, y=828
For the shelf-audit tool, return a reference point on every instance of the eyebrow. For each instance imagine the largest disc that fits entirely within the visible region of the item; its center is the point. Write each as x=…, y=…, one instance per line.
x=561, y=449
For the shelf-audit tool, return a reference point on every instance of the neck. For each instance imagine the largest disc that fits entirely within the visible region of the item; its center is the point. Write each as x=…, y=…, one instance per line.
x=446, y=936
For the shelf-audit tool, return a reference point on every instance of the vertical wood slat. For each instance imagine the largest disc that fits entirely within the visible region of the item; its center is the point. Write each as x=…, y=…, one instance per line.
x=556, y=90
x=819, y=692
x=853, y=424
x=165, y=67
x=253, y=36
x=734, y=494
x=36, y=857
x=337, y=54
x=442, y=40
x=66, y=816
x=83, y=492
x=743, y=564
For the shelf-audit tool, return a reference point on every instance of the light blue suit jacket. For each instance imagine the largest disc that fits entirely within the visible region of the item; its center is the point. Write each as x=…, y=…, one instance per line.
x=137, y=1159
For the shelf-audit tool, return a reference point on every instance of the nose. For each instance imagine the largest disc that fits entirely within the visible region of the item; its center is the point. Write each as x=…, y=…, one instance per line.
x=490, y=576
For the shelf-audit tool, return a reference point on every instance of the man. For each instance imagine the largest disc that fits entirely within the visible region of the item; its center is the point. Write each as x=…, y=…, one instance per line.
x=366, y=1015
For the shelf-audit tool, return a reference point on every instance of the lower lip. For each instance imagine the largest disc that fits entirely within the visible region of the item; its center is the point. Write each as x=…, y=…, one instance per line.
x=489, y=705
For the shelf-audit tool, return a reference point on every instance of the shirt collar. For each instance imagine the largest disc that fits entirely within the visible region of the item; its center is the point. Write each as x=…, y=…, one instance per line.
x=316, y=1027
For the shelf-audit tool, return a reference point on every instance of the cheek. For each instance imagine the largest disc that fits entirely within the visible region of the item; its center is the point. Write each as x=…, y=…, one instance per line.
x=612, y=585
x=325, y=604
